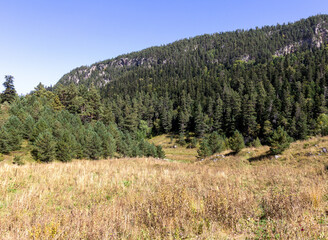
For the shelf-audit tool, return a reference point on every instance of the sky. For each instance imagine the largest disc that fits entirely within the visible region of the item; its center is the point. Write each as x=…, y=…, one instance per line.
x=40, y=40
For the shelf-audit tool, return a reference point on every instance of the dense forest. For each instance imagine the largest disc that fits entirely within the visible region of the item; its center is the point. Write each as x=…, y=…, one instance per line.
x=251, y=81
x=258, y=85
x=53, y=132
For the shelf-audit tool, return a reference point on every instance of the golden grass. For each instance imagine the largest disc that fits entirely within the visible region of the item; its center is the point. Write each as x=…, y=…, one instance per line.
x=180, y=153
x=231, y=198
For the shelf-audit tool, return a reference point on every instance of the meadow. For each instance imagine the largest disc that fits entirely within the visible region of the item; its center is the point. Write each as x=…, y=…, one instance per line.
x=245, y=196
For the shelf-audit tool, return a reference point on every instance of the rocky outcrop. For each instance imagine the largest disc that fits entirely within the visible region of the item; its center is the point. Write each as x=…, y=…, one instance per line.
x=320, y=37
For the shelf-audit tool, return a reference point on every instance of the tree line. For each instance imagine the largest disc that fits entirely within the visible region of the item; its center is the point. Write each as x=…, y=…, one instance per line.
x=54, y=133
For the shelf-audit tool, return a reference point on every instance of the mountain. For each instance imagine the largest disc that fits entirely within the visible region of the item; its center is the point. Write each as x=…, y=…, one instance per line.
x=220, y=48
x=252, y=81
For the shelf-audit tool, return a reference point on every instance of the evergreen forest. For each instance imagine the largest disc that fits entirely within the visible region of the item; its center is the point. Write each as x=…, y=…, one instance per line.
x=260, y=86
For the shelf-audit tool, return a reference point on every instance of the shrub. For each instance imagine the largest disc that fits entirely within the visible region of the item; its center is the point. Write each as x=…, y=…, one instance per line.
x=18, y=160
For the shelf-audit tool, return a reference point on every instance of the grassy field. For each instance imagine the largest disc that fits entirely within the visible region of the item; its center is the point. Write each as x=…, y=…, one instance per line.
x=173, y=150
x=244, y=196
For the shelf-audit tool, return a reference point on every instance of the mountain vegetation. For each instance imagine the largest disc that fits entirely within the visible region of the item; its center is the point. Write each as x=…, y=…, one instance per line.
x=266, y=85
x=252, y=81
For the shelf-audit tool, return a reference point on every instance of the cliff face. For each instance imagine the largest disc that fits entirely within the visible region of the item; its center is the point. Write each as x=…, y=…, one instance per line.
x=317, y=40
x=223, y=48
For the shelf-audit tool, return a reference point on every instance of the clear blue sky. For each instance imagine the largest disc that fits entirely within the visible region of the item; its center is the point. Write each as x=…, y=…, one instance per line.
x=41, y=40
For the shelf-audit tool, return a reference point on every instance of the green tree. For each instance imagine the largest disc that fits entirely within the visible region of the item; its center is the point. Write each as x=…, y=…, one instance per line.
x=4, y=140
x=65, y=146
x=322, y=125
x=9, y=93
x=204, y=149
x=216, y=143
x=279, y=141
x=13, y=127
x=93, y=149
x=44, y=148
x=200, y=125
x=28, y=127
x=256, y=143
x=217, y=118
x=236, y=142
x=160, y=151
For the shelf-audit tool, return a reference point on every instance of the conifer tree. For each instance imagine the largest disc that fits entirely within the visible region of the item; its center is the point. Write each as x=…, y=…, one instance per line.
x=160, y=152
x=13, y=127
x=4, y=141
x=322, y=125
x=217, y=118
x=9, y=93
x=279, y=141
x=28, y=127
x=44, y=148
x=65, y=146
x=93, y=149
x=40, y=126
x=216, y=143
x=204, y=149
x=200, y=125
x=236, y=142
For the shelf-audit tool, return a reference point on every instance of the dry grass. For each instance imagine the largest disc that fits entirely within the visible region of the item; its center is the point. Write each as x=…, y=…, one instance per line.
x=231, y=198
x=180, y=153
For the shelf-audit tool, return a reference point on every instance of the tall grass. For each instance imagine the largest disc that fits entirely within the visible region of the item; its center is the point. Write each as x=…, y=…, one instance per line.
x=154, y=199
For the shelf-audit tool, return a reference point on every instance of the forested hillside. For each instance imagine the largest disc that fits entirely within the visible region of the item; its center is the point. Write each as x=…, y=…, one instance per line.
x=261, y=86
x=252, y=81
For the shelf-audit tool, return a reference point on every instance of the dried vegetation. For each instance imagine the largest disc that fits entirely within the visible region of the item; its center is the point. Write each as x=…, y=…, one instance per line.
x=231, y=198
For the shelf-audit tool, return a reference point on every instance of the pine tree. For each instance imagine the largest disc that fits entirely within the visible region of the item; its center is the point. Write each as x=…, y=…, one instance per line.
x=217, y=118
x=322, y=125
x=267, y=130
x=200, y=125
x=28, y=127
x=4, y=141
x=279, y=141
x=256, y=143
x=93, y=149
x=9, y=93
x=44, y=148
x=13, y=127
x=204, y=149
x=236, y=142
x=160, y=152
x=65, y=146
x=40, y=126
x=249, y=117
x=216, y=143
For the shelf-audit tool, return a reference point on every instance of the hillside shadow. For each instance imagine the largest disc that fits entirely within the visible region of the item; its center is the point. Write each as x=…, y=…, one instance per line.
x=260, y=158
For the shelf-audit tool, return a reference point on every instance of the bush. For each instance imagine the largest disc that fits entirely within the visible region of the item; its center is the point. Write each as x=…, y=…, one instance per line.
x=193, y=143
x=18, y=160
